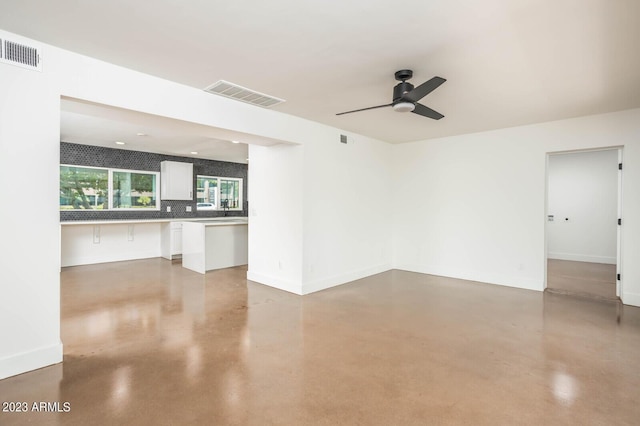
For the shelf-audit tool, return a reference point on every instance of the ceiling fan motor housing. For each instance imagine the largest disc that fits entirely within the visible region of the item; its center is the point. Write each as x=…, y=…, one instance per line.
x=400, y=90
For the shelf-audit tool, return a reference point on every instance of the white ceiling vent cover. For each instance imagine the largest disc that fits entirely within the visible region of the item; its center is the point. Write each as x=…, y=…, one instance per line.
x=239, y=93
x=20, y=54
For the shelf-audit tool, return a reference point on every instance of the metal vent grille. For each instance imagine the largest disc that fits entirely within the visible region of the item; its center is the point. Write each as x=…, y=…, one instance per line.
x=20, y=55
x=239, y=93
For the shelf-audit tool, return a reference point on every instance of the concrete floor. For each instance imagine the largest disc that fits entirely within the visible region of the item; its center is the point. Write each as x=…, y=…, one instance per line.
x=584, y=279
x=148, y=342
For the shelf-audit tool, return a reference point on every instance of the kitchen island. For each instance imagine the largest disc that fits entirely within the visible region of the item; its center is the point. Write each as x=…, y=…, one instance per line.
x=215, y=244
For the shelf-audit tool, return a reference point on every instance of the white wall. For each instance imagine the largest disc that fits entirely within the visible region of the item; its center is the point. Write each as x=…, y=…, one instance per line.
x=317, y=213
x=347, y=216
x=470, y=200
x=275, y=216
x=583, y=188
x=477, y=202
x=30, y=243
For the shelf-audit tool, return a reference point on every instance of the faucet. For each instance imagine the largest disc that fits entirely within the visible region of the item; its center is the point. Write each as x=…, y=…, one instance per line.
x=225, y=205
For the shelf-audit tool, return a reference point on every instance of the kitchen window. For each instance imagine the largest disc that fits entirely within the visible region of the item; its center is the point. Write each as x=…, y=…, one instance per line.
x=84, y=188
x=134, y=190
x=93, y=188
x=218, y=193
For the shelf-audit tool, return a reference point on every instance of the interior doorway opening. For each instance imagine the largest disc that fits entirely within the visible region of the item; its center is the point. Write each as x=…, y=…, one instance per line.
x=584, y=193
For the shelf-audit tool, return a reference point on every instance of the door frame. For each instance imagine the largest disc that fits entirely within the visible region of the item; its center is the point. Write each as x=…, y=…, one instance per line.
x=619, y=229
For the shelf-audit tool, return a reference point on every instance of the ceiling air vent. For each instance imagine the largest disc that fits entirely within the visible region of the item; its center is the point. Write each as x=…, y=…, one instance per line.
x=239, y=93
x=19, y=54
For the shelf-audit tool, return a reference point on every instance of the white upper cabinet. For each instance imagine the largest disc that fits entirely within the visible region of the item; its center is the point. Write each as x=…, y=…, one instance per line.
x=176, y=180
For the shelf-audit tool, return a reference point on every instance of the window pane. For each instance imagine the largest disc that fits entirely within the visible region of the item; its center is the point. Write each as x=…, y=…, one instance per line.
x=134, y=190
x=83, y=188
x=230, y=193
x=206, y=194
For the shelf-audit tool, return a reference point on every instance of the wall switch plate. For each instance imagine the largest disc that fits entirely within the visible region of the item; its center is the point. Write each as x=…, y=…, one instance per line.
x=188, y=208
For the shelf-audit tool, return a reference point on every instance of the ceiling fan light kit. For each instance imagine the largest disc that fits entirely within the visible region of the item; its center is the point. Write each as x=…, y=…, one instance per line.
x=404, y=107
x=406, y=97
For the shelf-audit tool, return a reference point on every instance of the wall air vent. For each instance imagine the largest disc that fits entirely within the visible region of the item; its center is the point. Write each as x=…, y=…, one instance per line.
x=20, y=54
x=239, y=93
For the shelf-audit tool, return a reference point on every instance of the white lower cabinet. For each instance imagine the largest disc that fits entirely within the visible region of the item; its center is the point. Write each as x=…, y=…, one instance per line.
x=171, y=240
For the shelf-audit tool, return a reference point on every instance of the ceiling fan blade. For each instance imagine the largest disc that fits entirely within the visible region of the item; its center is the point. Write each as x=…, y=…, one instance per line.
x=427, y=112
x=424, y=89
x=364, y=109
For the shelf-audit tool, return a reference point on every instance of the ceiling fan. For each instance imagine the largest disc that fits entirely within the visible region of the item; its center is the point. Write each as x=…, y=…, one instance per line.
x=406, y=97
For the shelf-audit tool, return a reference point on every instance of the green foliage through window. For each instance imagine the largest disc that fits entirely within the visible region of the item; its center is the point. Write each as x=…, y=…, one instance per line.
x=83, y=188
x=134, y=190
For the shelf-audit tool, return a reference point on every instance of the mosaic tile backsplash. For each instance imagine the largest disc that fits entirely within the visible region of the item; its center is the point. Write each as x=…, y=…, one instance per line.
x=86, y=155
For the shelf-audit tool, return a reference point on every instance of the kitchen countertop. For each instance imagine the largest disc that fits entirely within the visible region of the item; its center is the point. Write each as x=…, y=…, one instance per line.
x=239, y=221
x=210, y=221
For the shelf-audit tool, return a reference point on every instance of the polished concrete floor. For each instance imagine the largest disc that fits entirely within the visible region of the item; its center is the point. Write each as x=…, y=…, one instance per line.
x=148, y=342
x=584, y=279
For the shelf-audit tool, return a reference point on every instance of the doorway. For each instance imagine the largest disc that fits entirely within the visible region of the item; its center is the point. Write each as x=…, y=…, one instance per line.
x=582, y=231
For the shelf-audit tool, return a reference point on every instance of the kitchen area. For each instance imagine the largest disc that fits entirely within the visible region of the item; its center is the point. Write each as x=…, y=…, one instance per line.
x=118, y=205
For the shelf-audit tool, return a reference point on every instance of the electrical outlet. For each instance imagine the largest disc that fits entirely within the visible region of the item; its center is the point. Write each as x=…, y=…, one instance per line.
x=168, y=209
x=188, y=209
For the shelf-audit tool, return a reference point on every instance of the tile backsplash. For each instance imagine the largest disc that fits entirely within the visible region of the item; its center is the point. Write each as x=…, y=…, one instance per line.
x=87, y=155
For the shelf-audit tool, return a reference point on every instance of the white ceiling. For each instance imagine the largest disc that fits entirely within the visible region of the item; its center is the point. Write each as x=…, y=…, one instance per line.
x=507, y=62
x=100, y=125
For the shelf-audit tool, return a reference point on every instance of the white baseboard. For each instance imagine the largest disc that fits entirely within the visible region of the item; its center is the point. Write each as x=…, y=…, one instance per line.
x=290, y=286
x=582, y=258
x=324, y=283
x=32, y=360
x=316, y=285
x=632, y=299
x=478, y=276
